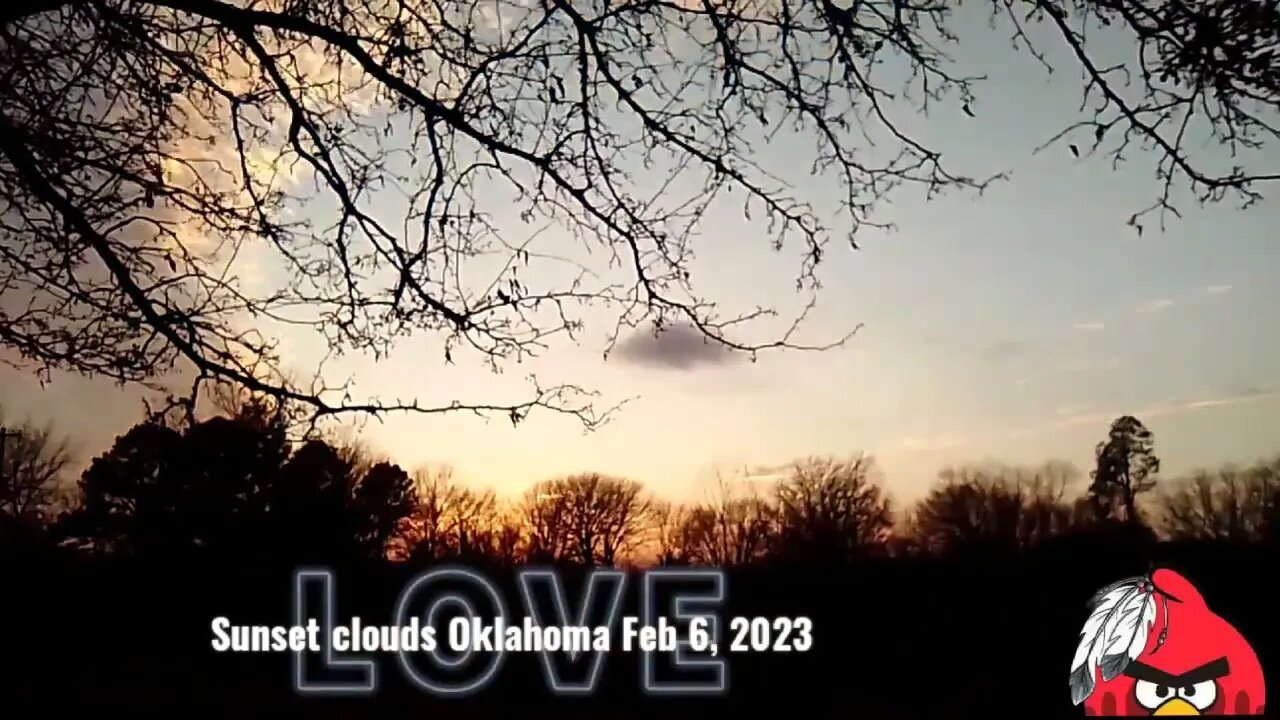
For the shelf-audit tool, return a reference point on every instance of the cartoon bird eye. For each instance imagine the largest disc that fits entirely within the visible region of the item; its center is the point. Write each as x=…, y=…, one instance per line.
x=1150, y=695
x=1201, y=694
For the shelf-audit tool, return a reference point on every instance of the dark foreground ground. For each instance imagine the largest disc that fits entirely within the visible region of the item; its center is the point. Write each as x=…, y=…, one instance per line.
x=986, y=634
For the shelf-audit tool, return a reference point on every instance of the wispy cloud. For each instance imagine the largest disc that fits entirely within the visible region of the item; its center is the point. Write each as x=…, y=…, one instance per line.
x=1156, y=305
x=1088, y=326
x=768, y=472
x=944, y=441
x=1086, y=364
x=1235, y=398
x=1019, y=433
x=1087, y=418
x=1171, y=407
x=1069, y=409
x=1215, y=289
x=1077, y=414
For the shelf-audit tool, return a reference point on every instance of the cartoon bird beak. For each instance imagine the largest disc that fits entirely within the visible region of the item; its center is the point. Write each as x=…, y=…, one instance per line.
x=1176, y=706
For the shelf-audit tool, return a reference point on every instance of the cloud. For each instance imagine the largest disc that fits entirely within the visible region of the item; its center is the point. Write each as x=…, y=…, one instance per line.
x=1019, y=433
x=1070, y=366
x=678, y=348
x=943, y=441
x=1088, y=326
x=1215, y=289
x=1086, y=364
x=1156, y=305
x=1069, y=409
x=1240, y=396
x=1004, y=350
x=1172, y=407
x=769, y=472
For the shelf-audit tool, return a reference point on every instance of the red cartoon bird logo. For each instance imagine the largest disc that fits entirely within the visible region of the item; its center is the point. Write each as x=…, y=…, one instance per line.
x=1152, y=647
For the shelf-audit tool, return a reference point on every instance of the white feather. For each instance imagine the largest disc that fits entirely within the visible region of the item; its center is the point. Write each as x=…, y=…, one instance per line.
x=1095, y=637
x=1126, y=633
x=1093, y=627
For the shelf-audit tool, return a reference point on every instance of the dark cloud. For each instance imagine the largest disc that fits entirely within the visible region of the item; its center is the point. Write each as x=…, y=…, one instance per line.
x=1005, y=350
x=680, y=347
x=1245, y=392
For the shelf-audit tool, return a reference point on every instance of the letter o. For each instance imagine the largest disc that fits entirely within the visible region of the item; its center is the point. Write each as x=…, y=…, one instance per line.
x=460, y=637
x=460, y=634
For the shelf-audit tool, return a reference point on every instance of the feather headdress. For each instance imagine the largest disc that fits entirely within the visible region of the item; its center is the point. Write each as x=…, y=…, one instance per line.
x=1121, y=616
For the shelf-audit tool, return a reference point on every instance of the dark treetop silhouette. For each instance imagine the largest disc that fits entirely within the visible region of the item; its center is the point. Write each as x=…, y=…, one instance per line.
x=181, y=522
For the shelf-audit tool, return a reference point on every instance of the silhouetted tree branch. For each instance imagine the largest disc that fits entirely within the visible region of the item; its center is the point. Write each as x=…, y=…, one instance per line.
x=452, y=520
x=1229, y=504
x=236, y=486
x=181, y=181
x=735, y=526
x=1203, y=73
x=993, y=506
x=229, y=485
x=588, y=519
x=669, y=521
x=382, y=498
x=32, y=462
x=1126, y=468
x=832, y=510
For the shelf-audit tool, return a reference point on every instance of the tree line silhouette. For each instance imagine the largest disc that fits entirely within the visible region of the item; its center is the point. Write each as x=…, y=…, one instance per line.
x=178, y=522
x=236, y=482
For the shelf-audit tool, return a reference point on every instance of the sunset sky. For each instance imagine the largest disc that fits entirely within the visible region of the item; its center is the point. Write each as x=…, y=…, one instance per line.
x=1012, y=326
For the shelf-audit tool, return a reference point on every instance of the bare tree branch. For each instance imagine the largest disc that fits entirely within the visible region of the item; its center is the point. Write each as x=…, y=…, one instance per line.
x=184, y=183
x=33, y=461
